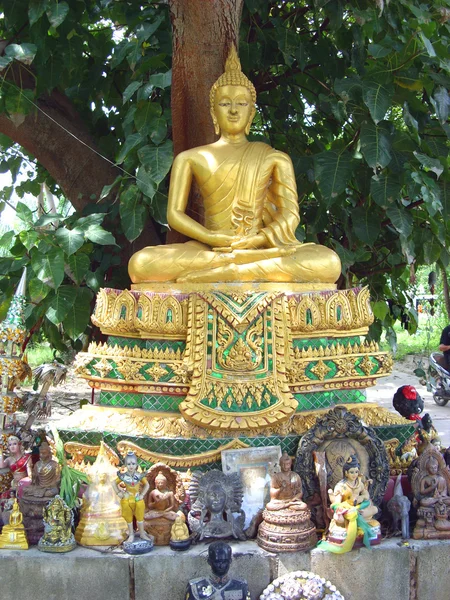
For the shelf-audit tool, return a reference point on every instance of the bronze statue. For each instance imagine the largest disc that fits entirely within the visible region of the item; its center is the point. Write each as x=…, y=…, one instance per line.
x=286, y=525
x=430, y=483
x=58, y=521
x=166, y=495
x=216, y=505
x=250, y=203
x=219, y=586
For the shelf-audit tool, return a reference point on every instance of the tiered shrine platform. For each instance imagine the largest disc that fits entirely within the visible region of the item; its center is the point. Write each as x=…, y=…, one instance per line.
x=188, y=372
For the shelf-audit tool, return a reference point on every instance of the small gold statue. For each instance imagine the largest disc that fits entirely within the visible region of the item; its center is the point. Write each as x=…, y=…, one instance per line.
x=13, y=535
x=131, y=487
x=58, y=522
x=250, y=203
x=179, y=531
x=101, y=522
x=287, y=525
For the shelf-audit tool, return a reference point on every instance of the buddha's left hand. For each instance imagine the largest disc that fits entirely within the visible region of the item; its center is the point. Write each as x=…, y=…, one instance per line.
x=249, y=242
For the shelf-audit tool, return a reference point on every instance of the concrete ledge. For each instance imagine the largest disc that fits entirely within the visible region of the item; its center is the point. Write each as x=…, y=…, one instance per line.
x=391, y=571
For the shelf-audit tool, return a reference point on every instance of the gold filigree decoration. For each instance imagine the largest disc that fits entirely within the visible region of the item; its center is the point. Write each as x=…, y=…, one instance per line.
x=240, y=356
x=397, y=465
x=321, y=370
x=157, y=372
x=366, y=365
x=346, y=367
x=103, y=368
x=138, y=422
x=154, y=354
x=79, y=452
x=193, y=460
x=130, y=370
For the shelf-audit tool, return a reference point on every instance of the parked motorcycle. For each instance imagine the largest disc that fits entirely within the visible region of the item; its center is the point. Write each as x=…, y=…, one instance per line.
x=439, y=379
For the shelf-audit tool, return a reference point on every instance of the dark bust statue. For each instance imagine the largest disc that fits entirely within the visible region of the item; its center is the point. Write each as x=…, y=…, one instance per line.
x=219, y=586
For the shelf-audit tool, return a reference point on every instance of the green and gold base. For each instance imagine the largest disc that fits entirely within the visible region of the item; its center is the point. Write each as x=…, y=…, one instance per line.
x=187, y=373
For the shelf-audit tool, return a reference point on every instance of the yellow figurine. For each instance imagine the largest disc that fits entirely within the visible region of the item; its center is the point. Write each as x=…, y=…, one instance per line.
x=179, y=531
x=250, y=204
x=131, y=487
x=13, y=535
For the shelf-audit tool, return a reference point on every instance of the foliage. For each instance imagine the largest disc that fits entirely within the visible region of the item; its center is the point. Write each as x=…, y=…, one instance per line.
x=355, y=92
x=71, y=479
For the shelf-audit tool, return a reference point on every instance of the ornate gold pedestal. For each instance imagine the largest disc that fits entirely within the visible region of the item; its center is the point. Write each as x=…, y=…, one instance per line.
x=197, y=367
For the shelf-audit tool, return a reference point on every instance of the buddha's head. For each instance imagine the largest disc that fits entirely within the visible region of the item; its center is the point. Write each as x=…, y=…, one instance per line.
x=216, y=498
x=232, y=99
x=351, y=468
x=285, y=462
x=161, y=481
x=45, y=453
x=432, y=466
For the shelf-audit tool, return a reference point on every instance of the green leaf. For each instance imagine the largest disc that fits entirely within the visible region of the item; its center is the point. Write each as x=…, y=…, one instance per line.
x=158, y=130
x=4, y=62
x=24, y=53
x=98, y=235
x=132, y=213
x=430, y=164
x=401, y=219
x=36, y=9
x=37, y=290
x=385, y=189
x=145, y=116
x=57, y=13
x=6, y=240
x=29, y=238
x=24, y=213
x=79, y=313
x=332, y=172
x=78, y=266
x=157, y=160
x=48, y=219
x=158, y=208
x=161, y=80
x=85, y=222
x=377, y=97
x=375, y=145
x=428, y=45
x=65, y=296
x=107, y=188
x=145, y=182
x=49, y=267
x=380, y=309
x=130, y=90
x=70, y=239
x=441, y=102
x=365, y=224
x=131, y=142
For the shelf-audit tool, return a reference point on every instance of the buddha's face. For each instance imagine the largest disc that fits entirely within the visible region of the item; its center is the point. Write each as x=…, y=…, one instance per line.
x=432, y=467
x=352, y=474
x=285, y=464
x=45, y=453
x=161, y=483
x=216, y=499
x=233, y=108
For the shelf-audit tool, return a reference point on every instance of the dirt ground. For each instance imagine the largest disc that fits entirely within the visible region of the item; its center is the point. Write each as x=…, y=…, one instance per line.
x=67, y=398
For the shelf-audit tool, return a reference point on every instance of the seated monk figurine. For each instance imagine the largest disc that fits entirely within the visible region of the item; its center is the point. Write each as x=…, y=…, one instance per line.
x=286, y=488
x=434, y=491
x=46, y=475
x=250, y=204
x=161, y=501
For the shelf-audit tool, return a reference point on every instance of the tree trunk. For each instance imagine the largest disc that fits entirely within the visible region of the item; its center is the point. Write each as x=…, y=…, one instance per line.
x=446, y=291
x=61, y=143
x=203, y=31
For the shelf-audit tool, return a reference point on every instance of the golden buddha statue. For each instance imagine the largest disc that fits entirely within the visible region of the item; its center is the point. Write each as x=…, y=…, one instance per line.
x=13, y=535
x=250, y=203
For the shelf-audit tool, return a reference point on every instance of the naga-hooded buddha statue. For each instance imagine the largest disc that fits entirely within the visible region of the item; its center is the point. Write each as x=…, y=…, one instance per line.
x=250, y=203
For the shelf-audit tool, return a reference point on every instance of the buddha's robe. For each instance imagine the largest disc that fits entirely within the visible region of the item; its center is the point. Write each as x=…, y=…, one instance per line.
x=251, y=191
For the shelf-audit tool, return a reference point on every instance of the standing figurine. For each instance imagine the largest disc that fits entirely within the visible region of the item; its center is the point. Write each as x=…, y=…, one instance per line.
x=219, y=586
x=18, y=462
x=286, y=525
x=131, y=487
